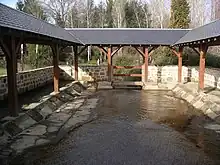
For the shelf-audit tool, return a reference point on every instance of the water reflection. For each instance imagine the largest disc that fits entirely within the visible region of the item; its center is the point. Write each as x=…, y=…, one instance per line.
x=161, y=108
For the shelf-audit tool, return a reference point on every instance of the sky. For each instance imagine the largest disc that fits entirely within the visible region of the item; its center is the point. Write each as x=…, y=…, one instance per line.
x=12, y=3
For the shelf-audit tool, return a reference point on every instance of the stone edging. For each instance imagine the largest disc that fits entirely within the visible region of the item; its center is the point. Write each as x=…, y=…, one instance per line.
x=199, y=100
x=46, y=122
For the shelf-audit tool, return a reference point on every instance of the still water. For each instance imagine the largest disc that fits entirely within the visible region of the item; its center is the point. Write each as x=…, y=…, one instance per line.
x=162, y=107
x=136, y=127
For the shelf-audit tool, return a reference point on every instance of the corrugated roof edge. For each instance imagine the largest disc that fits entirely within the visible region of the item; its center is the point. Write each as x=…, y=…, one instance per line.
x=176, y=43
x=37, y=19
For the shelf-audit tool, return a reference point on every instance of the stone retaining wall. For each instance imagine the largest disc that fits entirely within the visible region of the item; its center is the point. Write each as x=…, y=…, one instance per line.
x=32, y=79
x=198, y=100
x=169, y=74
x=27, y=80
x=85, y=73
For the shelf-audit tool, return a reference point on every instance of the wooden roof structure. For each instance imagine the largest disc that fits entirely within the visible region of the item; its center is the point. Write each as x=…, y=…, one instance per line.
x=17, y=27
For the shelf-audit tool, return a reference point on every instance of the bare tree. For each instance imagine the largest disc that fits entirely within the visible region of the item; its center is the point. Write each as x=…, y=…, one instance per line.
x=160, y=12
x=215, y=9
x=119, y=13
x=58, y=10
x=198, y=12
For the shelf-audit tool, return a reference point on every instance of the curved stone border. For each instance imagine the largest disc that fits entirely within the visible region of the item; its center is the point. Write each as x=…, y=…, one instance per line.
x=46, y=122
x=199, y=100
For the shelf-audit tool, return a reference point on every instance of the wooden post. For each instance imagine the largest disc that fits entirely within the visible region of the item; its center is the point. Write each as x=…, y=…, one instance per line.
x=56, y=69
x=180, y=61
x=109, y=64
x=145, y=67
x=76, y=62
x=202, y=50
x=9, y=46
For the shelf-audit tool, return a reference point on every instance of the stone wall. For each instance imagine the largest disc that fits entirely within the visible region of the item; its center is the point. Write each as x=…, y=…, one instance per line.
x=85, y=73
x=27, y=80
x=32, y=79
x=168, y=74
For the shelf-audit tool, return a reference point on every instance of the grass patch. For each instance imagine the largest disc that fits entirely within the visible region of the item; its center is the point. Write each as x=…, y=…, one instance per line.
x=3, y=71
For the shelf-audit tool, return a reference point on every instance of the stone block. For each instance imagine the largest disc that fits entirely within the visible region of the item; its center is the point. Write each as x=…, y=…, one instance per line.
x=23, y=143
x=198, y=104
x=24, y=121
x=37, y=130
x=46, y=110
x=211, y=114
x=216, y=109
x=55, y=102
x=34, y=114
x=12, y=128
x=189, y=98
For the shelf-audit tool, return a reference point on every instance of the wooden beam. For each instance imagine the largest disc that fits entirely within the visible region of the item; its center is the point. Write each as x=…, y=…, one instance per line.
x=203, y=50
x=4, y=47
x=109, y=64
x=76, y=62
x=174, y=51
x=115, y=51
x=82, y=50
x=103, y=49
x=180, y=61
x=145, y=66
x=139, y=51
x=10, y=45
x=152, y=49
x=56, y=51
x=196, y=51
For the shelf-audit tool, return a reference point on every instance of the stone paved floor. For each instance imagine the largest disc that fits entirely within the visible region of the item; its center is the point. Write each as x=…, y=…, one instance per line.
x=127, y=133
x=30, y=97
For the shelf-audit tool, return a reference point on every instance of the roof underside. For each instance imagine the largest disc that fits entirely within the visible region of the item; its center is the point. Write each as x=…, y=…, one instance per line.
x=206, y=32
x=128, y=36
x=22, y=22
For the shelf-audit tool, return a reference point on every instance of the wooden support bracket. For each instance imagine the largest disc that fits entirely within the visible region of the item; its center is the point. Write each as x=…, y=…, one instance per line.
x=115, y=51
x=103, y=49
x=82, y=50
x=152, y=49
x=196, y=51
x=140, y=52
x=174, y=51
